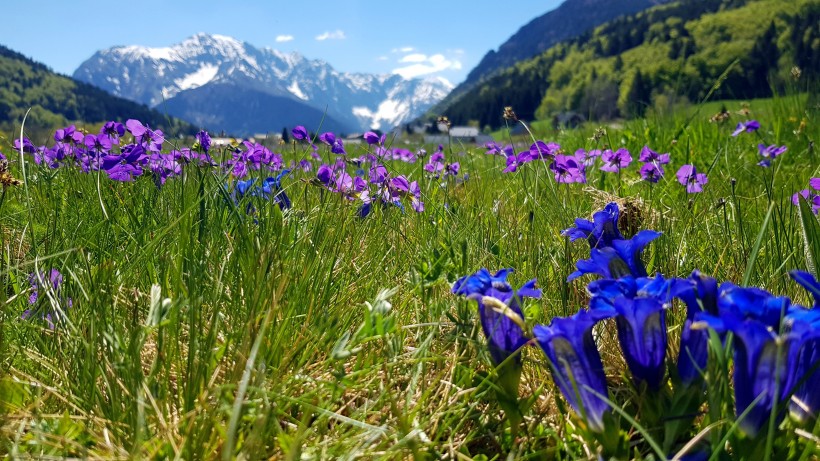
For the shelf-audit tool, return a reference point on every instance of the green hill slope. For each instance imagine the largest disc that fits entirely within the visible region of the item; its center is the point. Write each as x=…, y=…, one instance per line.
x=56, y=100
x=666, y=54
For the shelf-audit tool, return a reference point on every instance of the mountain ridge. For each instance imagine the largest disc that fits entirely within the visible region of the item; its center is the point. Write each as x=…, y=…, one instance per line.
x=357, y=101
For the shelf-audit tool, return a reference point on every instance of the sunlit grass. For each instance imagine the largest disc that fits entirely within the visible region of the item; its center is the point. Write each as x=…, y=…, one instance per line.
x=197, y=331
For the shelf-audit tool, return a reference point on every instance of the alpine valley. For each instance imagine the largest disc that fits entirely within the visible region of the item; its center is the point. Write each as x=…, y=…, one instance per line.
x=218, y=82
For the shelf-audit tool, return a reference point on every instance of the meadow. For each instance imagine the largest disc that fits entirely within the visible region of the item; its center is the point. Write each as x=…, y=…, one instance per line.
x=170, y=299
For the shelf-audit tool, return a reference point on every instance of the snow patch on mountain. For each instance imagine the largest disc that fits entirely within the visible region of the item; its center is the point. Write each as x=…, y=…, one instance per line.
x=385, y=116
x=294, y=89
x=205, y=74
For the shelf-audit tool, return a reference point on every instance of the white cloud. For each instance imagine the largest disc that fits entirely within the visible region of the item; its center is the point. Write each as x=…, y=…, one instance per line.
x=415, y=57
x=404, y=49
x=328, y=35
x=283, y=38
x=382, y=58
x=424, y=65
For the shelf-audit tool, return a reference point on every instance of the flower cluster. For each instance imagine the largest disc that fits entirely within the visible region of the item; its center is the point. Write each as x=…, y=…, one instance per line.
x=775, y=348
x=575, y=167
x=125, y=152
x=380, y=187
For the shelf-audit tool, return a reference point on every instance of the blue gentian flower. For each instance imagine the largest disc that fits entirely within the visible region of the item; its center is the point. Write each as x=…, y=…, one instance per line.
x=769, y=338
x=803, y=327
x=808, y=282
x=601, y=231
x=700, y=294
x=273, y=186
x=640, y=315
x=493, y=292
x=753, y=303
x=576, y=364
x=762, y=371
x=621, y=259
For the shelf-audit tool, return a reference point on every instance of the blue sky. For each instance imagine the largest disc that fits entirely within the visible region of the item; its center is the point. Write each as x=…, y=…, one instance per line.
x=444, y=38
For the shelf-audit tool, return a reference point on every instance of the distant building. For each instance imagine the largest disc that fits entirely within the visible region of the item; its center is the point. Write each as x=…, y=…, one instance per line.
x=459, y=134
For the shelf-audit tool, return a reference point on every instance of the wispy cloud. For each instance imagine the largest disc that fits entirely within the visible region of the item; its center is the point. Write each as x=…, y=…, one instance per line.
x=415, y=57
x=334, y=35
x=404, y=49
x=283, y=38
x=421, y=64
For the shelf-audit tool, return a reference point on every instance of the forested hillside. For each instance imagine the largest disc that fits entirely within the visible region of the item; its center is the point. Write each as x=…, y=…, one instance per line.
x=56, y=100
x=671, y=53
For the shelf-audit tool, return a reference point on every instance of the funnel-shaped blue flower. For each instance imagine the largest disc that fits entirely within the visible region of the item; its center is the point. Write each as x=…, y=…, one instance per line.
x=804, y=331
x=638, y=308
x=762, y=376
x=576, y=364
x=601, y=231
x=494, y=294
x=753, y=303
x=700, y=294
x=621, y=259
x=808, y=282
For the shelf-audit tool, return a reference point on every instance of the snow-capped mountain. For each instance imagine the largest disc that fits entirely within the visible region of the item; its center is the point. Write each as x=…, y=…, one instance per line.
x=285, y=88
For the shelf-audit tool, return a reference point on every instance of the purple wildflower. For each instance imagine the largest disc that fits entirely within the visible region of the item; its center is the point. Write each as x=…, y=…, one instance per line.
x=373, y=138
x=299, y=133
x=747, y=126
x=769, y=153
x=435, y=163
x=69, y=134
x=114, y=130
x=651, y=172
x=811, y=196
x=204, y=140
x=689, y=177
x=614, y=161
x=649, y=155
x=567, y=169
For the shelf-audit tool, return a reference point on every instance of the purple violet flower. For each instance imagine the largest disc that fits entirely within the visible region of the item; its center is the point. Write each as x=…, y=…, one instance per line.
x=769, y=153
x=372, y=138
x=299, y=133
x=689, y=177
x=615, y=161
x=747, y=126
x=649, y=155
x=651, y=172
x=204, y=140
x=568, y=170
